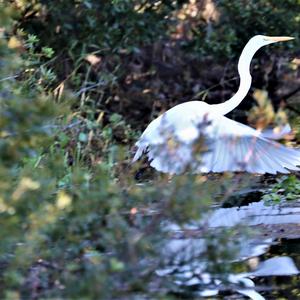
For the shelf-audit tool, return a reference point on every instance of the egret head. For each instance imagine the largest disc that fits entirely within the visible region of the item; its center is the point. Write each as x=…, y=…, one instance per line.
x=263, y=40
x=253, y=45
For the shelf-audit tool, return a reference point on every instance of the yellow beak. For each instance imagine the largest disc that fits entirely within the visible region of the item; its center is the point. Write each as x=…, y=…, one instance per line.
x=278, y=38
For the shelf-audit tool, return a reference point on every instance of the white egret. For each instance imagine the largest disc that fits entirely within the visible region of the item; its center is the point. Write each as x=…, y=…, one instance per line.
x=231, y=146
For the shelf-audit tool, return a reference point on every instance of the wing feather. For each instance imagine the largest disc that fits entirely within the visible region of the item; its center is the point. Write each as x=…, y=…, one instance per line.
x=232, y=146
x=269, y=162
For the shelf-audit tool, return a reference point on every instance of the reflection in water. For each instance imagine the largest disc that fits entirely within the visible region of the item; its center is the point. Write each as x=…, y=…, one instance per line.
x=256, y=214
x=189, y=270
x=283, y=287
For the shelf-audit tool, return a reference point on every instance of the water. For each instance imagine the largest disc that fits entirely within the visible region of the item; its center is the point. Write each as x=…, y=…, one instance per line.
x=283, y=287
x=272, y=254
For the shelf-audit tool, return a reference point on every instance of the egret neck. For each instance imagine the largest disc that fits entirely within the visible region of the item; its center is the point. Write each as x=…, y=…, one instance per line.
x=245, y=80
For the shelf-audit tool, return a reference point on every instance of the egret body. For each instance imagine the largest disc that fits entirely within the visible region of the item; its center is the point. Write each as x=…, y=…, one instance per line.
x=170, y=140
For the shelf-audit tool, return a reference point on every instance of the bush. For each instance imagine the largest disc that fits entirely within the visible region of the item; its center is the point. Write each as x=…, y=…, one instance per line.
x=240, y=20
x=74, y=223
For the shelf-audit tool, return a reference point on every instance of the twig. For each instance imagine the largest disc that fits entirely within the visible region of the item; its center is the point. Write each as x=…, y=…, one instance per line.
x=9, y=78
x=84, y=89
x=297, y=111
x=288, y=95
x=221, y=83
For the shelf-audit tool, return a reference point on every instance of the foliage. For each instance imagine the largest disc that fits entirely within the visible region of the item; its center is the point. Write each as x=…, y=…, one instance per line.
x=286, y=188
x=117, y=55
x=263, y=115
x=240, y=20
x=64, y=216
x=74, y=222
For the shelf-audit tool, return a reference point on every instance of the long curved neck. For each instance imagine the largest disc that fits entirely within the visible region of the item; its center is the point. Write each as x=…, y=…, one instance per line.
x=245, y=81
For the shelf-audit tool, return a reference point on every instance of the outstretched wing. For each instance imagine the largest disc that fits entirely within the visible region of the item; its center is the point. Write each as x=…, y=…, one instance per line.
x=231, y=146
x=250, y=154
x=237, y=147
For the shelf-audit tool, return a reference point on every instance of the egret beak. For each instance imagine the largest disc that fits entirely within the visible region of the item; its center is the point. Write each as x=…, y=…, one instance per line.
x=275, y=39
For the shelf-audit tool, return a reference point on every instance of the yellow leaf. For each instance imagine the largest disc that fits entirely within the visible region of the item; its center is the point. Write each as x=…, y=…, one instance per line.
x=63, y=200
x=14, y=43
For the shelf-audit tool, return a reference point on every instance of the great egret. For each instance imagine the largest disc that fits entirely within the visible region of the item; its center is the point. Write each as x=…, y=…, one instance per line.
x=231, y=146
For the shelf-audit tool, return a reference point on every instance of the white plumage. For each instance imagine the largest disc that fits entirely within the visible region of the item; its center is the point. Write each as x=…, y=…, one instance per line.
x=172, y=140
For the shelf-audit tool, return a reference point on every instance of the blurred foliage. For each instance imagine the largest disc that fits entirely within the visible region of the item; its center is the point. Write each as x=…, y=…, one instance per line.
x=75, y=77
x=74, y=223
x=263, y=115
